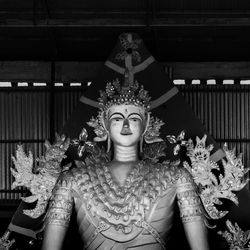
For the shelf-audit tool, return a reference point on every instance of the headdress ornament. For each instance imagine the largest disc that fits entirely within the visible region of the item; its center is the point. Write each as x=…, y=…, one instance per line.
x=128, y=94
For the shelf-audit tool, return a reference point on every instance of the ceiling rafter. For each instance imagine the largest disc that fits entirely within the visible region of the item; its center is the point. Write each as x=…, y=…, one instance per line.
x=120, y=22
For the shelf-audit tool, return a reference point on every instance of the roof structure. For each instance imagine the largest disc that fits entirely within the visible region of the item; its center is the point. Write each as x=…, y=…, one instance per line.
x=173, y=30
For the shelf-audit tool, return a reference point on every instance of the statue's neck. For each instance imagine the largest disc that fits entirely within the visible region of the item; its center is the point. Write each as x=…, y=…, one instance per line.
x=123, y=162
x=125, y=154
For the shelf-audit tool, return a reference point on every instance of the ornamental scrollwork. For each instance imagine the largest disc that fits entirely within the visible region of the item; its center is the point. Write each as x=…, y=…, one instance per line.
x=39, y=178
x=213, y=185
x=236, y=238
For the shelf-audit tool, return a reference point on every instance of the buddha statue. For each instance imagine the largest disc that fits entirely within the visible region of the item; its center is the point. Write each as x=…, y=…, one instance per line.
x=124, y=196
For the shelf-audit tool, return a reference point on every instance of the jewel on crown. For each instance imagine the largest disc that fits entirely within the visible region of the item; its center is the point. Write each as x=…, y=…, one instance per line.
x=128, y=93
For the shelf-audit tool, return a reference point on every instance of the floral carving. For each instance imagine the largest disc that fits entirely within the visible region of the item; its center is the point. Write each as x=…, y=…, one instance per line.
x=236, y=237
x=39, y=179
x=130, y=47
x=5, y=243
x=213, y=188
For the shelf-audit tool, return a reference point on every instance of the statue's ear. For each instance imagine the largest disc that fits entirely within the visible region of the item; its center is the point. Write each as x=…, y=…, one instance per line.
x=104, y=121
x=146, y=123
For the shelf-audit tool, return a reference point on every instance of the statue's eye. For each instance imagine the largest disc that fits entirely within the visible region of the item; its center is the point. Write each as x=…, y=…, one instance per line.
x=117, y=119
x=135, y=119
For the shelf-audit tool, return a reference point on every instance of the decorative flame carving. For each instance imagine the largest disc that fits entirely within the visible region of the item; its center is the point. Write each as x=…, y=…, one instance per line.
x=5, y=243
x=236, y=237
x=211, y=187
x=41, y=179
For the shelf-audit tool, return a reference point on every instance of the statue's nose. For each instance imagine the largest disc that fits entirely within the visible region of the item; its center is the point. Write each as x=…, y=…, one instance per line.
x=126, y=123
x=125, y=128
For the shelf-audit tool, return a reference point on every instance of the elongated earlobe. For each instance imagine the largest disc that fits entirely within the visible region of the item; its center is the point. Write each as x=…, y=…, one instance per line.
x=141, y=144
x=146, y=124
x=108, y=143
x=105, y=124
x=145, y=130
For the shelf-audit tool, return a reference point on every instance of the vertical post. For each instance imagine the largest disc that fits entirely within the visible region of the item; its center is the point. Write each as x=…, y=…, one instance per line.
x=34, y=12
x=52, y=102
x=169, y=71
x=52, y=73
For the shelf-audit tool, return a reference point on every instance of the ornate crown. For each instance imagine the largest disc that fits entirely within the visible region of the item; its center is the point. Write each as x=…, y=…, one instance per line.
x=128, y=93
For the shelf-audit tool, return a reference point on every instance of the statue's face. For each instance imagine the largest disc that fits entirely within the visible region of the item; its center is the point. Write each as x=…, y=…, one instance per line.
x=125, y=124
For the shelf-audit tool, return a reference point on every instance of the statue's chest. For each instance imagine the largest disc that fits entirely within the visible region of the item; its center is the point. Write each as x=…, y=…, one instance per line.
x=117, y=210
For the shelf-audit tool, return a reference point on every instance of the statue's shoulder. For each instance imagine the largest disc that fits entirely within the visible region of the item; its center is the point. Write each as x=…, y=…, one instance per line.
x=176, y=172
x=70, y=178
x=65, y=179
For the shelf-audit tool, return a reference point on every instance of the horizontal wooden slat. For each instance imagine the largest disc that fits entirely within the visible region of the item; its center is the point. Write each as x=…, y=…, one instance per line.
x=36, y=71
x=129, y=22
x=32, y=71
x=210, y=70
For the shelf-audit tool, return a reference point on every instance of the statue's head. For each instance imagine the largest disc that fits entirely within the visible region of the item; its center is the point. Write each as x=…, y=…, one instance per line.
x=124, y=116
x=126, y=124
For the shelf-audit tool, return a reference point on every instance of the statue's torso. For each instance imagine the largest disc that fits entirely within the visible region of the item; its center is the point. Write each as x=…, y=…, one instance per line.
x=137, y=215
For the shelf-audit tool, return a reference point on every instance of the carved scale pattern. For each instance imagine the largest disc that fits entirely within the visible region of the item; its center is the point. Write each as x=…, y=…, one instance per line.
x=121, y=207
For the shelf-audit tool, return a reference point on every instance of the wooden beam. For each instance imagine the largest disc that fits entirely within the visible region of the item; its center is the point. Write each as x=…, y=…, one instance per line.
x=209, y=70
x=65, y=72
x=32, y=71
x=129, y=22
x=132, y=18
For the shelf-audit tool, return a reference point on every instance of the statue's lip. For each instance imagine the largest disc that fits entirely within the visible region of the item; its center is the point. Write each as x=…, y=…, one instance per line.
x=126, y=133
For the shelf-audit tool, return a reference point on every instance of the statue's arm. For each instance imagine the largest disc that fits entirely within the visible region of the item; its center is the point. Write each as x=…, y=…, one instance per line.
x=58, y=216
x=191, y=212
x=196, y=235
x=54, y=237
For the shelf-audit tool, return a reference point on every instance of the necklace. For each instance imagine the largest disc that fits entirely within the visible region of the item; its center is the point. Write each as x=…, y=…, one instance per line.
x=119, y=206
